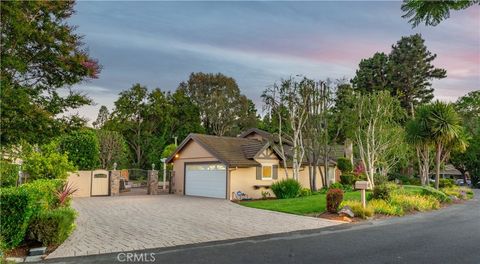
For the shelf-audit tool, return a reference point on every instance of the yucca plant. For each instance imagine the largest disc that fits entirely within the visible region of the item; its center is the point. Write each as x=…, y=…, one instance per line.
x=64, y=193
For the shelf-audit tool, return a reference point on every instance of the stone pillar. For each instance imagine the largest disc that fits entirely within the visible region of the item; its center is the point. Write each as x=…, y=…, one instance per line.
x=114, y=183
x=152, y=185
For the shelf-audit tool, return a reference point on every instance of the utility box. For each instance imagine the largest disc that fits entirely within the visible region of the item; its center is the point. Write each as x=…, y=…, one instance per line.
x=362, y=185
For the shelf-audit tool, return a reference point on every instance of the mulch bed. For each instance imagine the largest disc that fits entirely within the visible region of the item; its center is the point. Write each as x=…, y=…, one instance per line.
x=22, y=250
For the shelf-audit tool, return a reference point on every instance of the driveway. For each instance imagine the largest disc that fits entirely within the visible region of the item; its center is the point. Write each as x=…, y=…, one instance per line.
x=448, y=235
x=113, y=224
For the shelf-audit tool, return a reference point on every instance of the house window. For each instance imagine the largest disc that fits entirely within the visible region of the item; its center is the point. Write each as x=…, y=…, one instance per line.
x=267, y=172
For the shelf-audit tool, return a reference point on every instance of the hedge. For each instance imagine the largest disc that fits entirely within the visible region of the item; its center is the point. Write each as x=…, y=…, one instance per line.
x=16, y=211
x=43, y=193
x=20, y=204
x=52, y=227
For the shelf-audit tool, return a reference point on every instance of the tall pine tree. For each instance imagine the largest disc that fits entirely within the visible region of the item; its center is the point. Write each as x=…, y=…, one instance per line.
x=406, y=72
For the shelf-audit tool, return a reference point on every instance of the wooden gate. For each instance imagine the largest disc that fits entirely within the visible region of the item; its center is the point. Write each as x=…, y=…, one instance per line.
x=100, y=183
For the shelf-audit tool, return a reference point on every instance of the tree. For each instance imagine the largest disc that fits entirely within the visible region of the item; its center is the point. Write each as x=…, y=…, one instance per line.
x=247, y=117
x=411, y=71
x=376, y=122
x=372, y=74
x=468, y=107
x=290, y=95
x=320, y=132
x=82, y=148
x=418, y=135
x=102, y=118
x=445, y=132
x=40, y=54
x=343, y=121
x=406, y=73
x=113, y=149
x=129, y=118
x=432, y=12
x=219, y=101
x=469, y=160
x=185, y=116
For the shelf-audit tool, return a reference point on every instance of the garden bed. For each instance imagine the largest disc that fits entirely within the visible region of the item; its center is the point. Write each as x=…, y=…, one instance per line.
x=313, y=204
x=407, y=199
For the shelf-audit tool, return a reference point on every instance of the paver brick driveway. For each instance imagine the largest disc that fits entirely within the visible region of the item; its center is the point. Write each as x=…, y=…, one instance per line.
x=113, y=224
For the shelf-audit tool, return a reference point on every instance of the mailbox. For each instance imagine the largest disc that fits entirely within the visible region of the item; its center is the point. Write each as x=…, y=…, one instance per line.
x=362, y=185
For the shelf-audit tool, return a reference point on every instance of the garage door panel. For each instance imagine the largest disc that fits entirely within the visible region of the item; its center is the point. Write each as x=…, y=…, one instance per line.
x=208, y=180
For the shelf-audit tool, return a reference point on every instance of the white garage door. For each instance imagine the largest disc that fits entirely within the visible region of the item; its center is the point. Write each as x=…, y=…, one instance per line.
x=208, y=180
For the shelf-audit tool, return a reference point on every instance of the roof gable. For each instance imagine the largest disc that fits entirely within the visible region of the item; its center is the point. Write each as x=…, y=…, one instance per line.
x=232, y=151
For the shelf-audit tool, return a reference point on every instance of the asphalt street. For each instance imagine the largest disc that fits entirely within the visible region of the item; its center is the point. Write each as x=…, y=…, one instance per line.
x=448, y=235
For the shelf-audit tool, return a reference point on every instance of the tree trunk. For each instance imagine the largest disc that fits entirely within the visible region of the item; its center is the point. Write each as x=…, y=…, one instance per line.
x=426, y=166
x=348, y=148
x=310, y=176
x=464, y=176
x=314, y=182
x=438, y=158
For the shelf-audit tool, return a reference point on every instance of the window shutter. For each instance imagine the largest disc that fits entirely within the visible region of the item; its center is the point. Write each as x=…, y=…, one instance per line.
x=259, y=172
x=275, y=172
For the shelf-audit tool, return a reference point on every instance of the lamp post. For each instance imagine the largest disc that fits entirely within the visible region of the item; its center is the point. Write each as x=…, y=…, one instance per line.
x=164, y=160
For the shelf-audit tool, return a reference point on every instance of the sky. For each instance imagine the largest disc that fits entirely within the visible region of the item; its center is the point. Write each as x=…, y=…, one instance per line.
x=158, y=44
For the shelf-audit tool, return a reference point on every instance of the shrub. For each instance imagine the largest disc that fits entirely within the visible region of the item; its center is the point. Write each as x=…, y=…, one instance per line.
x=383, y=191
x=8, y=174
x=459, y=192
x=83, y=149
x=345, y=165
x=358, y=210
x=440, y=196
x=15, y=215
x=380, y=179
x=305, y=192
x=347, y=178
x=44, y=193
x=47, y=163
x=52, y=227
x=414, y=202
x=404, y=179
x=334, y=198
x=335, y=185
x=383, y=207
x=446, y=183
x=288, y=188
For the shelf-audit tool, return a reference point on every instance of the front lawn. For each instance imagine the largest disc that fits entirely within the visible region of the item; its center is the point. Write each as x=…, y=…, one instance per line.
x=315, y=203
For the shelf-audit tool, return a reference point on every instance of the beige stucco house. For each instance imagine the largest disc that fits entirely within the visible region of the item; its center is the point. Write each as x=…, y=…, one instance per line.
x=219, y=167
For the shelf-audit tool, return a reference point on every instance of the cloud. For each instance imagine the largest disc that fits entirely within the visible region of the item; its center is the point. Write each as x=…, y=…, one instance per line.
x=159, y=44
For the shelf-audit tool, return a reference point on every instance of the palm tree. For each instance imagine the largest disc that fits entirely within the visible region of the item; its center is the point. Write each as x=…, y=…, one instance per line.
x=445, y=132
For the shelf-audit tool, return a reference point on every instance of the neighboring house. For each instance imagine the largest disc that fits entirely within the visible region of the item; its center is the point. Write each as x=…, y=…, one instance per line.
x=448, y=172
x=219, y=167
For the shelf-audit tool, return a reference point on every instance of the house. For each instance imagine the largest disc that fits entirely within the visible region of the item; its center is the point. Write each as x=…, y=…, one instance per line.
x=214, y=166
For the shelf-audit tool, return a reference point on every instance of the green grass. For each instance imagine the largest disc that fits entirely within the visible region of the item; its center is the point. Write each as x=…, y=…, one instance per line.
x=301, y=206
x=413, y=189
